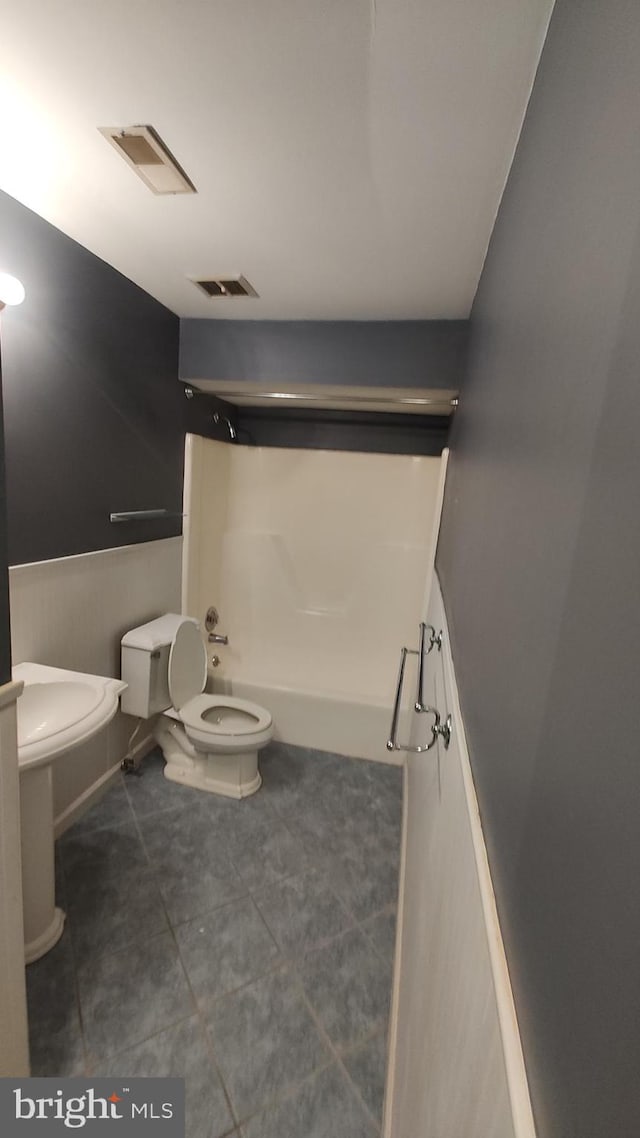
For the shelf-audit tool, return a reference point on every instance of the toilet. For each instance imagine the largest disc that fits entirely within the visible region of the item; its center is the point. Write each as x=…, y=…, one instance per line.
x=210, y=742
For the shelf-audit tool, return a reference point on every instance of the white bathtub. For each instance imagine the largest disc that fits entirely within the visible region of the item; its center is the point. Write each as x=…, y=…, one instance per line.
x=326, y=721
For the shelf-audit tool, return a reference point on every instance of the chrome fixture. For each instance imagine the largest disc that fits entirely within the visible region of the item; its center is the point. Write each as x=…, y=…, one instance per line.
x=442, y=404
x=211, y=619
x=438, y=728
x=210, y=622
x=143, y=515
x=189, y=393
x=218, y=418
x=215, y=660
x=435, y=641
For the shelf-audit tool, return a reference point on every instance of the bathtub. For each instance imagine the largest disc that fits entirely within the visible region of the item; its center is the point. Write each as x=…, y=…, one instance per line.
x=326, y=721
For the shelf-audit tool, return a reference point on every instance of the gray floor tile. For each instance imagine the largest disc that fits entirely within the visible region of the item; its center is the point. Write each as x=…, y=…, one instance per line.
x=318, y=848
x=193, y=872
x=344, y=819
x=128, y=996
x=381, y=931
x=367, y=1066
x=359, y=858
x=110, y=851
x=270, y=853
x=55, y=1038
x=111, y=810
x=349, y=987
x=325, y=1106
x=236, y=822
x=264, y=1040
x=180, y=1051
x=363, y=876
x=109, y=912
x=289, y=775
x=302, y=912
x=225, y=949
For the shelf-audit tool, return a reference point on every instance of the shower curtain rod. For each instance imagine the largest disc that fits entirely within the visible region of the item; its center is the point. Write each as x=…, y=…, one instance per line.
x=325, y=398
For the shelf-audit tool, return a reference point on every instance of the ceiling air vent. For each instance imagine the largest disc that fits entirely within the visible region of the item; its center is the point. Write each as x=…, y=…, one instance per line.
x=227, y=286
x=143, y=150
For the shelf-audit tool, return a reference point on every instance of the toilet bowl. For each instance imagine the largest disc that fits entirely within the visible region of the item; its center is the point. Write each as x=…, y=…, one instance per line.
x=210, y=742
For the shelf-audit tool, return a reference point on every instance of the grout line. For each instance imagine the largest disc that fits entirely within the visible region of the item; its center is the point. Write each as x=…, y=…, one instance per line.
x=278, y=965
x=279, y=1099
x=100, y=1059
x=198, y=1012
x=284, y=962
x=336, y=1054
x=386, y=911
x=76, y=978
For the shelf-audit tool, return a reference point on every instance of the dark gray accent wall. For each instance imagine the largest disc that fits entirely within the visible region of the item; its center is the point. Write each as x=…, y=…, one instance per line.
x=539, y=558
x=319, y=429
x=401, y=353
x=94, y=415
x=371, y=433
x=5, y=625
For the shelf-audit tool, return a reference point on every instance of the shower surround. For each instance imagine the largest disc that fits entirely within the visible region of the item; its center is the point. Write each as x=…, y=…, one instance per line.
x=317, y=562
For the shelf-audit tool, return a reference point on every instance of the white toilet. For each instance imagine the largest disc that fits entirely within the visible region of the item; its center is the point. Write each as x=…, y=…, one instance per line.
x=210, y=742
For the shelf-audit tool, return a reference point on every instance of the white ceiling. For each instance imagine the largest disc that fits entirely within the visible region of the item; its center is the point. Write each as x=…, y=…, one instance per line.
x=349, y=155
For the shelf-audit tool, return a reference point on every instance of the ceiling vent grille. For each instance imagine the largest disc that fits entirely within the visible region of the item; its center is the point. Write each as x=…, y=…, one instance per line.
x=146, y=153
x=227, y=287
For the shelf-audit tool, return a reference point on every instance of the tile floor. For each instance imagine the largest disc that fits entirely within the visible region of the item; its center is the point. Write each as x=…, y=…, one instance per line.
x=247, y=946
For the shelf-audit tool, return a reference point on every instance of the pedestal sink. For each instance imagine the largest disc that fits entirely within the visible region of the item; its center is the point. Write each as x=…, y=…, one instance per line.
x=57, y=711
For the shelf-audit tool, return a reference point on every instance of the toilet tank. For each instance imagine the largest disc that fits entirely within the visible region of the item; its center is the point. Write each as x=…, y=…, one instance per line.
x=145, y=665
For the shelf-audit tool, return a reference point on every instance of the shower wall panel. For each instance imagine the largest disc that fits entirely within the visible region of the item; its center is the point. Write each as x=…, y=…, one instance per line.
x=316, y=561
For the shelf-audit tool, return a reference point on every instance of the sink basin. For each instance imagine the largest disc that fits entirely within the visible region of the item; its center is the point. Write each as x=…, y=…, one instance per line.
x=59, y=710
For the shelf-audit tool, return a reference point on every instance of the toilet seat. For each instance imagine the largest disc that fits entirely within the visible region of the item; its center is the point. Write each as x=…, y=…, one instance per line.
x=244, y=728
x=212, y=722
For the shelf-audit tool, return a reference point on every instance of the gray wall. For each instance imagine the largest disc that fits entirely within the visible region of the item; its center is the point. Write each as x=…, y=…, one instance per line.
x=539, y=558
x=402, y=353
x=93, y=410
x=5, y=627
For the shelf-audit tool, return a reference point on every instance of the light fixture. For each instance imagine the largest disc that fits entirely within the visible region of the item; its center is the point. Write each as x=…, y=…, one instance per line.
x=11, y=290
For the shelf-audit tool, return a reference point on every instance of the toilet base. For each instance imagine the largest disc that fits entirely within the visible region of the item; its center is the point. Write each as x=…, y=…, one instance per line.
x=234, y=775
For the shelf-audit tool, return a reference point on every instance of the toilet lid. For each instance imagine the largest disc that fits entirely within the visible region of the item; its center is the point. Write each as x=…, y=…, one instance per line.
x=187, y=664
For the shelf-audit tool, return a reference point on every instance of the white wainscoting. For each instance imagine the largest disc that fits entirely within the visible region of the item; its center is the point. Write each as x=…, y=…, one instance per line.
x=14, y=1050
x=456, y=1065
x=72, y=613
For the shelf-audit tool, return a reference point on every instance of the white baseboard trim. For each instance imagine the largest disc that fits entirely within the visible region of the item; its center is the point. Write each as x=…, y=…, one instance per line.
x=392, y=1039
x=84, y=802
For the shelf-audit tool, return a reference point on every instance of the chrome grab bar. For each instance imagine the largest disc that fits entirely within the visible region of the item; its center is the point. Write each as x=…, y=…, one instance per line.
x=437, y=728
x=435, y=640
x=392, y=742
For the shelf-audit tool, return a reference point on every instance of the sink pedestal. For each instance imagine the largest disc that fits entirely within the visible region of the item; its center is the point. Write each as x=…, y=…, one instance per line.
x=57, y=711
x=43, y=921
